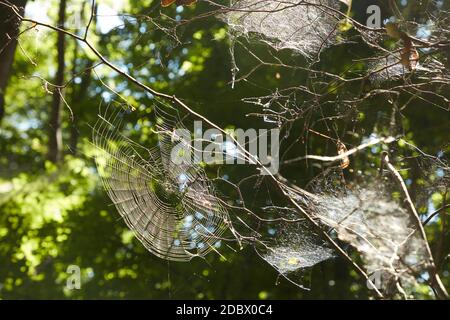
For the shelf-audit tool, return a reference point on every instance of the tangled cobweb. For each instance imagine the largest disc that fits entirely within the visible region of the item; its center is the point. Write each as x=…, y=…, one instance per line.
x=303, y=26
x=378, y=227
x=175, y=212
x=172, y=208
x=381, y=230
x=388, y=68
x=292, y=247
x=391, y=68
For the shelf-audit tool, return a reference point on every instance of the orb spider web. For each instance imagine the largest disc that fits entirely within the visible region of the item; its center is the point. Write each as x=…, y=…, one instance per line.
x=172, y=208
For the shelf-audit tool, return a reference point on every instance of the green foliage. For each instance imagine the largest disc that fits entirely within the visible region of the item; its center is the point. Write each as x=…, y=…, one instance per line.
x=55, y=216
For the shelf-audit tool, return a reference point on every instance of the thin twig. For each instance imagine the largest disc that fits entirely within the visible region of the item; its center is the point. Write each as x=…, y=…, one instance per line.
x=176, y=100
x=343, y=155
x=438, y=286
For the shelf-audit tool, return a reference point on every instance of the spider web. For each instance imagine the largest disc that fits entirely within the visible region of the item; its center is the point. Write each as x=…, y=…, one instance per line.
x=305, y=27
x=281, y=236
x=172, y=208
x=377, y=226
x=175, y=212
x=291, y=248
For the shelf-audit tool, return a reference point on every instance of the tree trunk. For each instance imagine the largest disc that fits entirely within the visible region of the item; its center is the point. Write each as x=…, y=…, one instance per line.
x=9, y=30
x=55, y=132
x=79, y=95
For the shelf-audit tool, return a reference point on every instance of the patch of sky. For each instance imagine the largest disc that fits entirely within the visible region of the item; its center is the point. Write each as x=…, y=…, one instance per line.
x=230, y=148
x=391, y=19
x=187, y=224
x=201, y=245
x=440, y=172
x=109, y=18
x=431, y=208
x=37, y=10
x=106, y=96
x=425, y=30
x=199, y=215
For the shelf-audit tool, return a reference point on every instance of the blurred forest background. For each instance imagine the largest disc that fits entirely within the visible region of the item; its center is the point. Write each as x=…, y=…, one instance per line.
x=53, y=209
